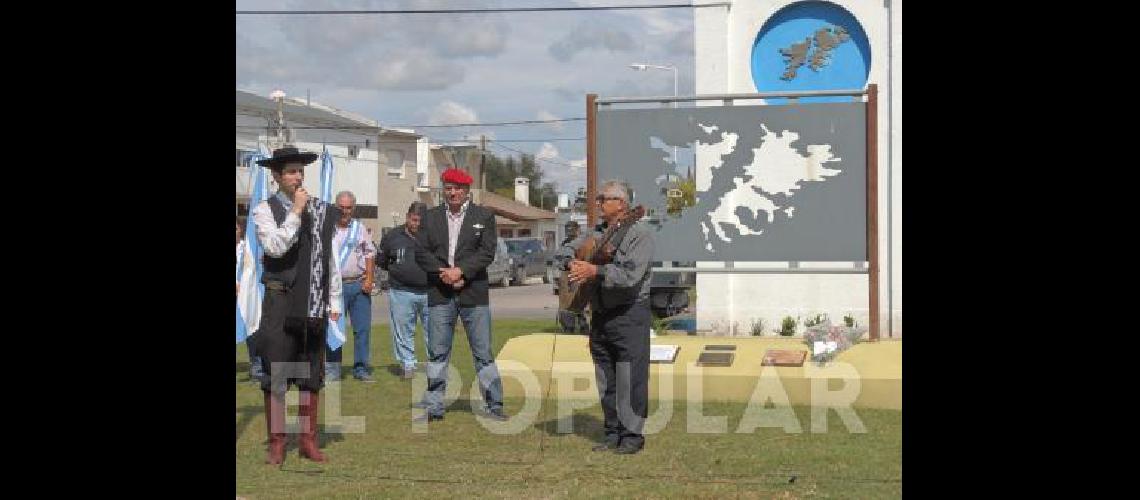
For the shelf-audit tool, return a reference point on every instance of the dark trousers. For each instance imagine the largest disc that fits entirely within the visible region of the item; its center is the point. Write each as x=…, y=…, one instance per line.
x=292, y=350
x=619, y=345
x=254, y=360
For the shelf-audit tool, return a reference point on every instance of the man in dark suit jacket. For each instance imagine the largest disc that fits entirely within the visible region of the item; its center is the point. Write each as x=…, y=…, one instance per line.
x=458, y=243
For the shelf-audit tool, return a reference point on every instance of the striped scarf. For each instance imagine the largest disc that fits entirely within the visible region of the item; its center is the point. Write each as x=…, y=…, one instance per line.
x=317, y=291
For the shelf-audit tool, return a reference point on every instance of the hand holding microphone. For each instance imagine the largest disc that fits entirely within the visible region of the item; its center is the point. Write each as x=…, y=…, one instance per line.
x=300, y=199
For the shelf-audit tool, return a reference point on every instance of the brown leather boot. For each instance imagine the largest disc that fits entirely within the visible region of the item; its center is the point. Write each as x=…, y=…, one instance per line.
x=275, y=421
x=307, y=443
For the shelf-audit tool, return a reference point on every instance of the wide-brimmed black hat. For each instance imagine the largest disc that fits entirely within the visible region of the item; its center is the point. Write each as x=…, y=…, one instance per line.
x=287, y=154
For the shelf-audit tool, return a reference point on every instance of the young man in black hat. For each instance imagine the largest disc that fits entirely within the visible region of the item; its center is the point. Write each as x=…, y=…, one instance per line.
x=302, y=292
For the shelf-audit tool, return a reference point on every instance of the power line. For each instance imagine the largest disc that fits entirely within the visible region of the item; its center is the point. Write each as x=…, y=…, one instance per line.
x=536, y=158
x=484, y=11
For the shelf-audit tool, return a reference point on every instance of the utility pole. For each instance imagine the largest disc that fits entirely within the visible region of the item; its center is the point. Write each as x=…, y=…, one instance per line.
x=279, y=95
x=482, y=162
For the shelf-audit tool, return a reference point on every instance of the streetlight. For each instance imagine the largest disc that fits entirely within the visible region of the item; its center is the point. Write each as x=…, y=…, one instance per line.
x=646, y=67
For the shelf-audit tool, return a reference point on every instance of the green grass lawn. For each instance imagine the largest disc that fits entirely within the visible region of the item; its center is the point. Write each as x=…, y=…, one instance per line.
x=458, y=456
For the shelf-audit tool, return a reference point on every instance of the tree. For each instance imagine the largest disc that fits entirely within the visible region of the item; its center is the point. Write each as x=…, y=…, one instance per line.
x=688, y=198
x=501, y=174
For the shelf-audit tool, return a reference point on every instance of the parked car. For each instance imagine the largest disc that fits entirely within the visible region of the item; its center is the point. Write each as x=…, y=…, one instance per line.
x=553, y=273
x=499, y=272
x=528, y=258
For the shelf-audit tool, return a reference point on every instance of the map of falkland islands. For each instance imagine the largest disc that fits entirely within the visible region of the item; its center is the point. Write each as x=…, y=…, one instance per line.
x=776, y=169
x=715, y=150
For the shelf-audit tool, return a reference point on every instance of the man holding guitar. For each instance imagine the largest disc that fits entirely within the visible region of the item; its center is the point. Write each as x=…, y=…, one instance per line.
x=611, y=266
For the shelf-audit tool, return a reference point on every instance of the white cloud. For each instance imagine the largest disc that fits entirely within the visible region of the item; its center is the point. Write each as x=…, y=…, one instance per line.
x=567, y=174
x=451, y=112
x=474, y=39
x=329, y=35
x=587, y=36
x=546, y=115
x=384, y=52
x=656, y=21
x=547, y=152
x=660, y=23
x=406, y=70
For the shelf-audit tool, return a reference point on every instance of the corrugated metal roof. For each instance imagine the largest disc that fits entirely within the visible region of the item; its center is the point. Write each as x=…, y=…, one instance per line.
x=514, y=210
x=312, y=113
x=501, y=221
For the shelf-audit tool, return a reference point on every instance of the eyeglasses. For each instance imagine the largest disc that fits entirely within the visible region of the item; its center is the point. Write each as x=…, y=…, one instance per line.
x=603, y=198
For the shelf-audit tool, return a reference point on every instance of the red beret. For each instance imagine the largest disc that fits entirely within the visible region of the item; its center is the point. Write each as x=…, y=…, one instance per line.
x=456, y=176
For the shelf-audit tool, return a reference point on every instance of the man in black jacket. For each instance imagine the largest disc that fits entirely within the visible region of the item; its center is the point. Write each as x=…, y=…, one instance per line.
x=458, y=242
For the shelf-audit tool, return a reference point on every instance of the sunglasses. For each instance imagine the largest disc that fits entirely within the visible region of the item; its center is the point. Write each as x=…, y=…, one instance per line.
x=602, y=198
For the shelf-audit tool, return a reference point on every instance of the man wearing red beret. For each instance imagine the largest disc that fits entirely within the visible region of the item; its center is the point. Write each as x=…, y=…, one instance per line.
x=458, y=243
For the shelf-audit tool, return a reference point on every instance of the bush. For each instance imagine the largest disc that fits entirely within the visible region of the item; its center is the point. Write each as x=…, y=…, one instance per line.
x=787, y=327
x=758, y=327
x=818, y=319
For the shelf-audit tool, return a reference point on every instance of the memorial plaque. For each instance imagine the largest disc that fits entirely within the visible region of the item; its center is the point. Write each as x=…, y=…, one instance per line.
x=663, y=353
x=719, y=347
x=715, y=359
x=783, y=357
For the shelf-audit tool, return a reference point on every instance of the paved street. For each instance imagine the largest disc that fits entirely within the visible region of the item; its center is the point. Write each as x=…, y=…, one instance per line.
x=532, y=300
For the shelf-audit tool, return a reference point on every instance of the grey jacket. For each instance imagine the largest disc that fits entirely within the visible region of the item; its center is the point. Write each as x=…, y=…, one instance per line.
x=626, y=279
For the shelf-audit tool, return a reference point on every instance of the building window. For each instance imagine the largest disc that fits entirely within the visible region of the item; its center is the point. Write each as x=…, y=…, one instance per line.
x=524, y=232
x=506, y=233
x=243, y=157
x=353, y=151
x=548, y=237
x=394, y=163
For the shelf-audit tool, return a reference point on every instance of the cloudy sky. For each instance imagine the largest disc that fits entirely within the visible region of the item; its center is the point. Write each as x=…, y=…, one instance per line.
x=413, y=69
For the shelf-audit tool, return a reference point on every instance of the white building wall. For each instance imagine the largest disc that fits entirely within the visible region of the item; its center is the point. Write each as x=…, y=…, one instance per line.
x=357, y=174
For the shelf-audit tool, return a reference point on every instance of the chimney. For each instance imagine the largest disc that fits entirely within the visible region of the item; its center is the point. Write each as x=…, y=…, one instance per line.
x=522, y=190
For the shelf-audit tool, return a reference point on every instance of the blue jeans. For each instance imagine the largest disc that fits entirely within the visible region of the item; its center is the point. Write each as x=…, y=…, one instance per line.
x=358, y=308
x=405, y=306
x=477, y=324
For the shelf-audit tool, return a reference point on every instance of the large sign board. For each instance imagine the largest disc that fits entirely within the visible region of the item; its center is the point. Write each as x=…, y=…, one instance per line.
x=744, y=183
